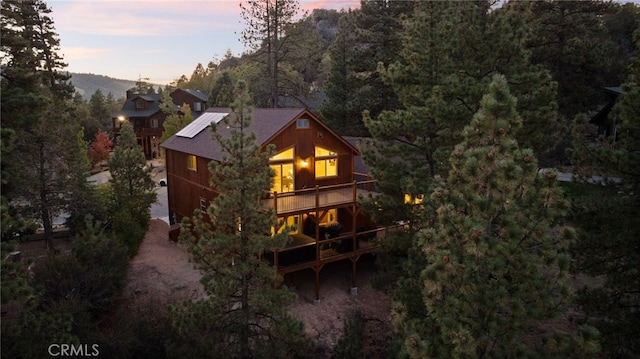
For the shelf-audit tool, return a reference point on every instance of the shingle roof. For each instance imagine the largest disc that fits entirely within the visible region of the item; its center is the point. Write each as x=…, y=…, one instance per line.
x=197, y=93
x=266, y=123
x=129, y=106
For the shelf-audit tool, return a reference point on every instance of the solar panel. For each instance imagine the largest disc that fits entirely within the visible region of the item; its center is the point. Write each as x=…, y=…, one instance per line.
x=200, y=123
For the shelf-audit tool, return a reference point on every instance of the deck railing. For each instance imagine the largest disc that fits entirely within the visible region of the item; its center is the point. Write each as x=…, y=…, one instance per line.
x=319, y=197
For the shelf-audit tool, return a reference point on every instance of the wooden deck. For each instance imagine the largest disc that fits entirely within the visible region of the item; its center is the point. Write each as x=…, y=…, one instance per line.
x=310, y=199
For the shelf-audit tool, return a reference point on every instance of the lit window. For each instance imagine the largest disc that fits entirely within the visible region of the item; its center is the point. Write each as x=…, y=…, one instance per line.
x=282, y=166
x=284, y=155
x=326, y=162
x=192, y=163
x=409, y=199
x=302, y=123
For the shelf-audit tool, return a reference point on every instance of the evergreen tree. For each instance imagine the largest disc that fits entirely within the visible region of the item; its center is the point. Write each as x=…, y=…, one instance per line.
x=244, y=315
x=176, y=121
x=99, y=110
x=571, y=40
x=368, y=38
x=607, y=218
x=497, y=257
x=36, y=99
x=339, y=111
x=222, y=92
x=450, y=50
x=268, y=24
x=133, y=189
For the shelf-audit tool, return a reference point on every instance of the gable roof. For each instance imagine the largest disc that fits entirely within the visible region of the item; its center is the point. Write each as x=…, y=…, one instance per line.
x=196, y=93
x=129, y=106
x=266, y=124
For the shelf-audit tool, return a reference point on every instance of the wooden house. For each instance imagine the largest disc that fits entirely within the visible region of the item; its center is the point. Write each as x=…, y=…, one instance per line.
x=604, y=119
x=315, y=188
x=143, y=111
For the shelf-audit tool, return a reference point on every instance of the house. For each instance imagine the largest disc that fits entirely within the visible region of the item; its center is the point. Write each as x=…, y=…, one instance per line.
x=143, y=111
x=604, y=120
x=315, y=188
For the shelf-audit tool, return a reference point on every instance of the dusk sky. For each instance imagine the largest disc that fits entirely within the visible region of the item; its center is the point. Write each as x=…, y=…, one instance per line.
x=157, y=39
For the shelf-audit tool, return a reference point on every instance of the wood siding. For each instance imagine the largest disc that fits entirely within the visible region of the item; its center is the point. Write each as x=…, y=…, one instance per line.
x=304, y=142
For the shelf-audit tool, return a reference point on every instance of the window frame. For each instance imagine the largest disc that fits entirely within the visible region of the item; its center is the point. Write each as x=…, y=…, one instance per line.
x=192, y=163
x=303, y=124
x=326, y=162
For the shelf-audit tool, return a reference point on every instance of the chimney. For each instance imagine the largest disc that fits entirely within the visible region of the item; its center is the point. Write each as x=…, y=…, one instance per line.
x=129, y=93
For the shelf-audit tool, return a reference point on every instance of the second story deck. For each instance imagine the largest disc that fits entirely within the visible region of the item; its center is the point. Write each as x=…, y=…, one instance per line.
x=319, y=197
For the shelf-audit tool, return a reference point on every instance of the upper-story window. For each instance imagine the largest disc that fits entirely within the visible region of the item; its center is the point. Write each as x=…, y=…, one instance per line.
x=154, y=123
x=302, y=123
x=197, y=106
x=192, y=163
x=282, y=165
x=140, y=104
x=326, y=162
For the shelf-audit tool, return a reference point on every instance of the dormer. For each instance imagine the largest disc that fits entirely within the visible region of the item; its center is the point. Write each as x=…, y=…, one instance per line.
x=142, y=102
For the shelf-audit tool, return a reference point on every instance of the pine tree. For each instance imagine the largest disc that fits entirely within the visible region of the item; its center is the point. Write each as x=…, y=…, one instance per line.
x=176, y=121
x=222, y=92
x=132, y=188
x=36, y=98
x=450, y=51
x=244, y=315
x=609, y=235
x=367, y=38
x=267, y=24
x=497, y=256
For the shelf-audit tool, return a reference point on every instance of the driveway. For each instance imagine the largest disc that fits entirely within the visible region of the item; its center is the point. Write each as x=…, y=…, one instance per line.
x=160, y=209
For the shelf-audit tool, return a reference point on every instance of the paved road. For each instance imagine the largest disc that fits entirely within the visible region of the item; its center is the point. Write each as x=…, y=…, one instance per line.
x=160, y=209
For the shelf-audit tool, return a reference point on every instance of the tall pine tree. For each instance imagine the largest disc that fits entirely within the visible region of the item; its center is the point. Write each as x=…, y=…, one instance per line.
x=132, y=188
x=40, y=171
x=609, y=235
x=244, y=314
x=497, y=255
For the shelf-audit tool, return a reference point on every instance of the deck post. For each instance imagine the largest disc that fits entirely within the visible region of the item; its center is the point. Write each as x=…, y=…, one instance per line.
x=354, y=287
x=316, y=301
x=275, y=202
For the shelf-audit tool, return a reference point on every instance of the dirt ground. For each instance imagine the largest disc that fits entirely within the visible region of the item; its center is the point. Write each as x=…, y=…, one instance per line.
x=163, y=268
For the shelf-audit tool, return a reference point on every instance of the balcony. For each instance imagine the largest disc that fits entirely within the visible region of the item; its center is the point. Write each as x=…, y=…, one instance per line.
x=310, y=199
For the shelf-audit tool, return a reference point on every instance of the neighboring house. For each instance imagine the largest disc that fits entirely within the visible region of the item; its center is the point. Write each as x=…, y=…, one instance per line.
x=143, y=111
x=315, y=188
x=197, y=100
x=605, y=121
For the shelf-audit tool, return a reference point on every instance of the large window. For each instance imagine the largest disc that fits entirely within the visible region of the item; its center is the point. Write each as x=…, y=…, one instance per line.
x=282, y=165
x=326, y=162
x=192, y=163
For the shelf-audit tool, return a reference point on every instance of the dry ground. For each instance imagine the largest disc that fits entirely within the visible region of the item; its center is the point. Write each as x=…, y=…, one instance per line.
x=162, y=268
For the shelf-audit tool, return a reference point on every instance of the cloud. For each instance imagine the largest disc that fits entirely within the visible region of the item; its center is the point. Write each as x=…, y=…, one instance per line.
x=81, y=53
x=141, y=17
x=330, y=4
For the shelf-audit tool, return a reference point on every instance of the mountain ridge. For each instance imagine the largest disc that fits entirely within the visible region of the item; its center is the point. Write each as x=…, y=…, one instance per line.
x=87, y=84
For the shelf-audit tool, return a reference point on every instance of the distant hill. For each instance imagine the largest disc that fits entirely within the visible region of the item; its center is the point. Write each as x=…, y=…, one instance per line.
x=87, y=84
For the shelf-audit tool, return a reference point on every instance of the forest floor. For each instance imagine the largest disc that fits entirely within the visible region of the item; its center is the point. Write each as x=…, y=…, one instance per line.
x=162, y=269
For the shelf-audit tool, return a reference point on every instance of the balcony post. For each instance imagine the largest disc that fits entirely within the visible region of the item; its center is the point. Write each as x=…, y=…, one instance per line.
x=275, y=202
